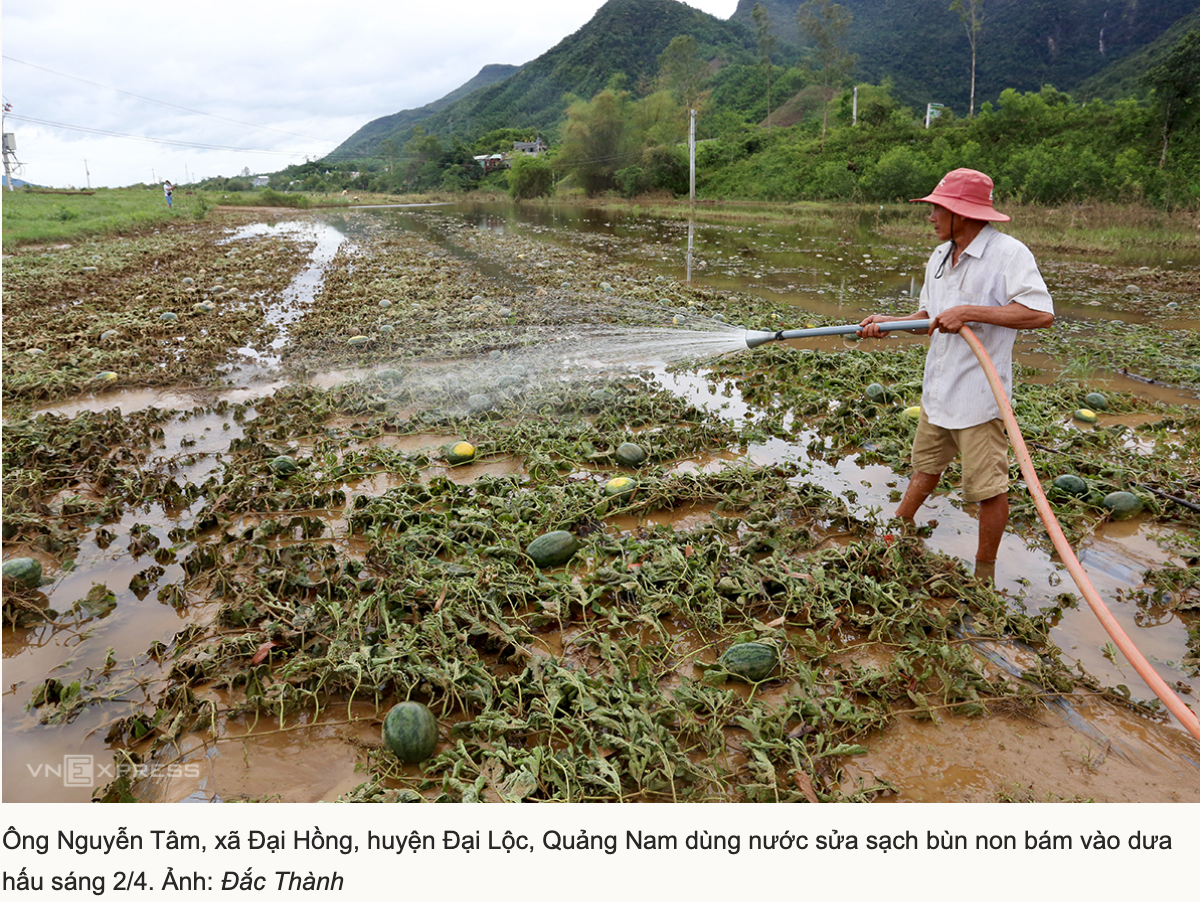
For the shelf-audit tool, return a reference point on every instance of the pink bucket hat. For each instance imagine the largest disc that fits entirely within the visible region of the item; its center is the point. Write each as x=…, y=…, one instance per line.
x=966, y=192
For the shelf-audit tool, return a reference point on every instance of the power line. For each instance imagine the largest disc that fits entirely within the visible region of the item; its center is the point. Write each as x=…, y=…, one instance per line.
x=169, y=141
x=163, y=102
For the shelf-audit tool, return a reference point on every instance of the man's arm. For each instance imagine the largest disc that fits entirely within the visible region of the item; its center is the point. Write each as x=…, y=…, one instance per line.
x=1013, y=315
x=870, y=330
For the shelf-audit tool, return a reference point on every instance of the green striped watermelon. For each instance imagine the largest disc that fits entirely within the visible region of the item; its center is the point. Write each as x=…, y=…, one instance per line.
x=24, y=571
x=752, y=661
x=411, y=732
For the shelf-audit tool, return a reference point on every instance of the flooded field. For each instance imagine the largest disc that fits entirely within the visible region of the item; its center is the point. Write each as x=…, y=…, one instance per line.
x=225, y=446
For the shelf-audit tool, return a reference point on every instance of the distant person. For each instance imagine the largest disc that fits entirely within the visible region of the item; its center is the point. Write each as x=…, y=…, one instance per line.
x=168, y=192
x=989, y=280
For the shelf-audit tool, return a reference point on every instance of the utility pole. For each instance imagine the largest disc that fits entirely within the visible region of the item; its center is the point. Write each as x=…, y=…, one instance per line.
x=692, y=155
x=10, y=145
x=854, y=117
x=89, y=174
x=9, y=148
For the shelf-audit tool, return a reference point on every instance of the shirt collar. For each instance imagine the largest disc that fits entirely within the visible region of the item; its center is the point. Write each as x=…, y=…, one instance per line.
x=977, y=246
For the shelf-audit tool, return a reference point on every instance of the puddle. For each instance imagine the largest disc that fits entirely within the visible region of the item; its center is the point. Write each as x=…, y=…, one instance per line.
x=294, y=299
x=1056, y=762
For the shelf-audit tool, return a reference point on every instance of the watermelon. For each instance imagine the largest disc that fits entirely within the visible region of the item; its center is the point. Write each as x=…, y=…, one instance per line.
x=620, y=487
x=284, y=466
x=1071, y=484
x=356, y=341
x=106, y=376
x=911, y=413
x=410, y=731
x=109, y=334
x=24, y=571
x=459, y=453
x=877, y=394
x=203, y=307
x=168, y=317
x=553, y=549
x=385, y=303
x=1122, y=504
x=630, y=455
x=479, y=403
x=1084, y=415
x=1096, y=401
x=751, y=661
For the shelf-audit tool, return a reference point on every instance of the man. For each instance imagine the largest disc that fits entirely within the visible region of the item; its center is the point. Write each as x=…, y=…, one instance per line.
x=981, y=277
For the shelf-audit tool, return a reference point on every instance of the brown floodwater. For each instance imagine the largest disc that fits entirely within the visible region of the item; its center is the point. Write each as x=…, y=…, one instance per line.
x=1095, y=747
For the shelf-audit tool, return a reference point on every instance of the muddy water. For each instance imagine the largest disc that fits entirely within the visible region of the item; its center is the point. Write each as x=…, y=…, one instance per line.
x=833, y=273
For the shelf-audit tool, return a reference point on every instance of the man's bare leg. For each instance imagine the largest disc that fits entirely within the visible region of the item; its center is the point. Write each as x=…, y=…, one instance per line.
x=993, y=517
x=919, y=488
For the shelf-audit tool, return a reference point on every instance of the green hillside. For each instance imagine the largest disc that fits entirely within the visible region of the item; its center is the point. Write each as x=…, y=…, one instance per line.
x=399, y=125
x=625, y=37
x=922, y=46
x=1123, y=78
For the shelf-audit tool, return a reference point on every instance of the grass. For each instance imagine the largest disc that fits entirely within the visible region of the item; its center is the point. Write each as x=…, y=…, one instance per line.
x=31, y=218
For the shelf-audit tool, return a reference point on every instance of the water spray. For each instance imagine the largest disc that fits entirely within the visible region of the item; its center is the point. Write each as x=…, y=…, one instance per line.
x=754, y=339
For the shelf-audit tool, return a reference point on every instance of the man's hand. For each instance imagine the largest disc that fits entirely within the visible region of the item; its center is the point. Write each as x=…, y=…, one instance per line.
x=868, y=328
x=951, y=320
x=1013, y=315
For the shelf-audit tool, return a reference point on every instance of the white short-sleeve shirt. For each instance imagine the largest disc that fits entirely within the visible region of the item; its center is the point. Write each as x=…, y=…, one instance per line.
x=994, y=270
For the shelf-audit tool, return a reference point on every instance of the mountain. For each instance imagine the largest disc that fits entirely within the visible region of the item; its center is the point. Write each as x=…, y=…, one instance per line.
x=1123, y=78
x=922, y=46
x=624, y=37
x=1095, y=47
x=400, y=125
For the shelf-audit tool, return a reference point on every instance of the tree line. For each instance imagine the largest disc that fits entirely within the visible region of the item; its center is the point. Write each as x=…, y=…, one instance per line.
x=806, y=132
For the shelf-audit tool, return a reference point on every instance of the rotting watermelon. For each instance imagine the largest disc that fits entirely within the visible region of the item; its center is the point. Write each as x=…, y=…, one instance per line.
x=24, y=571
x=553, y=549
x=1122, y=504
x=620, y=487
x=877, y=394
x=751, y=661
x=1071, y=484
x=459, y=453
x=284, y=466
x=411, y=732
x=629, y=454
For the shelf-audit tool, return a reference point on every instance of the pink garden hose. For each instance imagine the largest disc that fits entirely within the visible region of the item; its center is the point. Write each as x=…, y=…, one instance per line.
x=1168, y=697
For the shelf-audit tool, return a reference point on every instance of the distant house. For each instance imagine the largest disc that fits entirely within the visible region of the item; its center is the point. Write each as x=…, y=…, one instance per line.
x=260, y=181
x=491, y=161
x=533, y=149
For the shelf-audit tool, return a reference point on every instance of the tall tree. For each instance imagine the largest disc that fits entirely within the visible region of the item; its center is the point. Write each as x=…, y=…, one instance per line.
x=595, y=143
x=682, y=71
x=970, y=13
x=826, y=25
x=1176, y=84
x=766, y=44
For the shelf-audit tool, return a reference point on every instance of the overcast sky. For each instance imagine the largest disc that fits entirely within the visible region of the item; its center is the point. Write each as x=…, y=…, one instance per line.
x=275, y=81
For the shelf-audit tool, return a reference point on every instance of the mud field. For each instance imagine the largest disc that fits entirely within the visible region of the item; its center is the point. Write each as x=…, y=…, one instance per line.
x=225, y=443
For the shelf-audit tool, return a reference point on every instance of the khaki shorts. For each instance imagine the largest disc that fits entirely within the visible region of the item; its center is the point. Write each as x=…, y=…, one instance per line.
x=984, y=450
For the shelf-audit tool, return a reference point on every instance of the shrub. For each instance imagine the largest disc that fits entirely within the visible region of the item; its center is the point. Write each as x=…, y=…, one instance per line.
x=530, y=177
